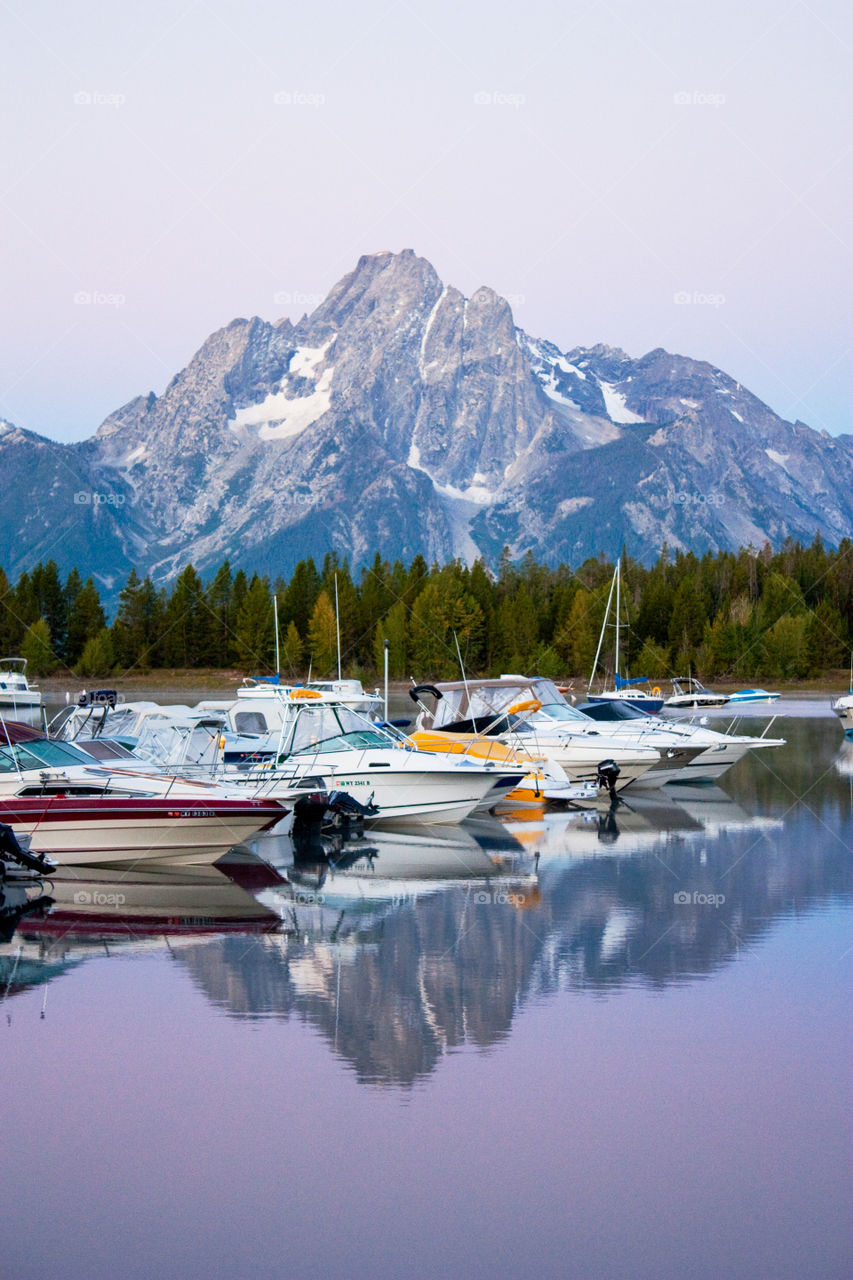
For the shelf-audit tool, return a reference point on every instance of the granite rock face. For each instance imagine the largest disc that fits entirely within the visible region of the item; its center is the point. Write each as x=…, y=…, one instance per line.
x=404, y=418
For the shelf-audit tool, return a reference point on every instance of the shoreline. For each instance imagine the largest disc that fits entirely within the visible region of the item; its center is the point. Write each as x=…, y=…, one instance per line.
x=208, y=682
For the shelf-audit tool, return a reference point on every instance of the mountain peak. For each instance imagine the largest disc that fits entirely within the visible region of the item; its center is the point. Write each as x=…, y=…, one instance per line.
x=402, y=418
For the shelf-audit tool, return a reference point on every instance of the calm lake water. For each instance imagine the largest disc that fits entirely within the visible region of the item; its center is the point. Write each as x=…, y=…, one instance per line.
x=577, y=1045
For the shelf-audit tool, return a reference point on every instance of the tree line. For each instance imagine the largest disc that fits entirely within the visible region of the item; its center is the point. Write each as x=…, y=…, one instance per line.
x=754, y=613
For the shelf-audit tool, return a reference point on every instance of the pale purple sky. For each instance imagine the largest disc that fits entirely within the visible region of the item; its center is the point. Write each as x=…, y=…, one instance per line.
x=182, y=164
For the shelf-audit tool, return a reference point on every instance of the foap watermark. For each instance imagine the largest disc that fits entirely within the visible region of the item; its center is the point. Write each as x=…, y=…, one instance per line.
x=688, y=298
x=698, y=499
x=89, y=498
x=683, y=898
x=698, y=98
x=97, y=98
x=308, y=898
x=97, y=298
x=497, y=98
x=296, y=298
x=99, y=898
x=497, y=898
x=299, y=98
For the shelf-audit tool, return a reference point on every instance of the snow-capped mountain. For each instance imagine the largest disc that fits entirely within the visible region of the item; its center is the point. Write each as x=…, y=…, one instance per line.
x=404, y=418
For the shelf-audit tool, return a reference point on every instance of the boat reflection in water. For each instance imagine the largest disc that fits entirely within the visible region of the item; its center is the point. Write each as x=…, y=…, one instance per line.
x=99, y=911
x=415, y=945
x=404, y=946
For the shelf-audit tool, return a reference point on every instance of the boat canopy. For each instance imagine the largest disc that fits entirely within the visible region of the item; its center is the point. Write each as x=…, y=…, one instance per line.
x=480, y=702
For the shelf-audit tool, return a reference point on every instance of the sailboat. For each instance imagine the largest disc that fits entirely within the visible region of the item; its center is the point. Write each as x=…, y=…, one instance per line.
x=623, y=690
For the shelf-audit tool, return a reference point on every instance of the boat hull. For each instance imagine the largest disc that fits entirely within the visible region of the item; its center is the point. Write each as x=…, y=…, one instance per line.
x=81, y=831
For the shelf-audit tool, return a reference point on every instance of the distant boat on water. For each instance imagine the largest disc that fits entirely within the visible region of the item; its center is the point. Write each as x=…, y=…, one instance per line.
x=16, y=693
x=690, y=692
x=753, y=695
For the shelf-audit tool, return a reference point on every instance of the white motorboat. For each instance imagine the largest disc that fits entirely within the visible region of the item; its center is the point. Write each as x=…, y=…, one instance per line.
x=688, y=692
x=529, y=714
x=78, y=812
x=717, y=751
x=753, y=695
x=16, y=693
x=686, y=752
x=372, y=764
x=347, y=693
x=843, y=708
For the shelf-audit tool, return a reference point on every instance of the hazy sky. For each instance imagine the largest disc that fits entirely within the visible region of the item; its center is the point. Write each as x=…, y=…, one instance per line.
x=638, y=174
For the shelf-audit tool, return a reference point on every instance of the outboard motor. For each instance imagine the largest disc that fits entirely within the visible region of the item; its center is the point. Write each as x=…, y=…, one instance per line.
x=10, y=848
x=608, y=772
x=330, y=812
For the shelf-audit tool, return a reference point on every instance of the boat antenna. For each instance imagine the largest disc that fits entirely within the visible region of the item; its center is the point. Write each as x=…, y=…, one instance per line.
x=338, y=626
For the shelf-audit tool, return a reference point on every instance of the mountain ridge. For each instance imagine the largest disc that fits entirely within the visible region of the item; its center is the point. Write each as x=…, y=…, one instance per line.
x=402, y=418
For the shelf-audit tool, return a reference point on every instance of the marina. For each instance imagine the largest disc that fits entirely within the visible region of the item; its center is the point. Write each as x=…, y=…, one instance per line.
x=572, y=1013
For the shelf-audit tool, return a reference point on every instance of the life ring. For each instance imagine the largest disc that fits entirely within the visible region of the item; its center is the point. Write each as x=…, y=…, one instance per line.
x=656, y=691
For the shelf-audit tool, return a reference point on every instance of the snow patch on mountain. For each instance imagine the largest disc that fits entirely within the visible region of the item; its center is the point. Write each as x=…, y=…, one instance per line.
x=614, y=403
x=304, y=361
x=780, y=459
x=279, y=416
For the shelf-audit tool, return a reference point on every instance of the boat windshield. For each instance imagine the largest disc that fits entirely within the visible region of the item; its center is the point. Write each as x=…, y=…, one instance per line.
x=332, y=727
x=480, y=702
x=40, y=754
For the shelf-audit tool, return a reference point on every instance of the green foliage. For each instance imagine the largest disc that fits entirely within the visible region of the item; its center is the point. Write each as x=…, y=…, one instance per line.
x=743, y=616
x=322, y=637
x=37, y=648
x=253, y=638
x=98, y=657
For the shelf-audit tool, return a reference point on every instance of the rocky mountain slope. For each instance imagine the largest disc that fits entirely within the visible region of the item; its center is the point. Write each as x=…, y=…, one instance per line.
x=402, y=417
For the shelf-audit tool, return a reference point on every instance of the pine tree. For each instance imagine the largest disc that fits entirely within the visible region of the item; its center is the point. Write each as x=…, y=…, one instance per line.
x=11, y=630
x=85, y=621
x=394, y=629
x=254, y=628
x=292, y=651
x=322, y=637
x=219, y=599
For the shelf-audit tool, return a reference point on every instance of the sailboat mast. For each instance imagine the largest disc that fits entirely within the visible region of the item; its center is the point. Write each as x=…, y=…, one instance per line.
x=338, y=626
x=603, y=629
x=618, y=581
x=275, y=615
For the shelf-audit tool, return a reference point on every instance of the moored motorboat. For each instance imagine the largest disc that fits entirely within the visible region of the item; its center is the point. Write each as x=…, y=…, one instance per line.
x=753, y=695
x=77, y=812
x=513, y=709
x=16, y=693
x=372, y=764
x=688, y=692
x=843, y=708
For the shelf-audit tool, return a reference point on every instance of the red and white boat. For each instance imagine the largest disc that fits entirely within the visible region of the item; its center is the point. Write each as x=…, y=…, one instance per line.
x=79, y=813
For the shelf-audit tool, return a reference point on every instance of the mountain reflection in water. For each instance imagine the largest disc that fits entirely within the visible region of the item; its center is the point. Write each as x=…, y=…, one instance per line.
x=404, y=946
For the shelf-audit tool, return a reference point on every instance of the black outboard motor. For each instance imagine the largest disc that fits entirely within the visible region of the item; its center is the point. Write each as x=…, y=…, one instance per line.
x=608, y=772
x=10, y=848
x=330, y=812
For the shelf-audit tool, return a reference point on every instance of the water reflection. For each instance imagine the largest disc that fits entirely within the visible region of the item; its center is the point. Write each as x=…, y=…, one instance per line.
x=404, y=946
x=98, y=911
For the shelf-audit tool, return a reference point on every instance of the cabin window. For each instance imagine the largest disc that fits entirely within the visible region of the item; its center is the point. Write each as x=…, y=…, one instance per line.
x=251, y=722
